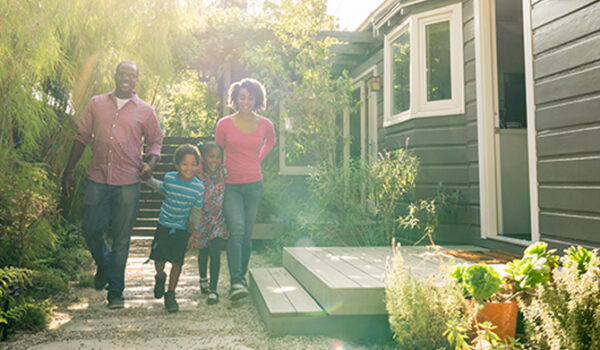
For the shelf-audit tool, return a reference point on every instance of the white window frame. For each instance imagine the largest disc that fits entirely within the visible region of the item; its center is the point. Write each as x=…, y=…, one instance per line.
x=285, y=169
x=419, y=106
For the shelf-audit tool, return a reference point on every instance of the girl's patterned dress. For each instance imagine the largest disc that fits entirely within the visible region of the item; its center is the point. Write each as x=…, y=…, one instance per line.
x=211, y=223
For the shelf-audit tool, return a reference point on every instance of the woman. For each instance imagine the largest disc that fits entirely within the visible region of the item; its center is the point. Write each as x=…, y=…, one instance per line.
x=247, y=138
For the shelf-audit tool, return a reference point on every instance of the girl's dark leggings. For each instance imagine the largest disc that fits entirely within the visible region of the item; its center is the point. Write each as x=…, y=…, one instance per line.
x=213, y=250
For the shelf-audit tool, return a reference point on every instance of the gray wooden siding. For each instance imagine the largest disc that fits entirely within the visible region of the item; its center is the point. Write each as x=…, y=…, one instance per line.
x=446, y=145
x=566, y=45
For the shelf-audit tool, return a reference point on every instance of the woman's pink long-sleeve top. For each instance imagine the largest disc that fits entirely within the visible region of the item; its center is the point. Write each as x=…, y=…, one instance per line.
x=244, y=152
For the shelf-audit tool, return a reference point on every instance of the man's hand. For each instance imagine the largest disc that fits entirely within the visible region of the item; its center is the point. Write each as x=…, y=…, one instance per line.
x=145, y=171
x=67, y=183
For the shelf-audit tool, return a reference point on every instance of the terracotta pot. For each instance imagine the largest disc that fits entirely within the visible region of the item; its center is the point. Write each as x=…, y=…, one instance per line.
x=501, y=315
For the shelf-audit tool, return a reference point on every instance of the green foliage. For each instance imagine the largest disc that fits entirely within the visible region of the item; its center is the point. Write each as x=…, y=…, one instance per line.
x=578, y=256
x=419, y=311
x=27, y=208
x=533, y=269
x=565, y=313
x=47, y=283
x=190, y=108
x=296, y=68
x=29, y=317
x=11, y=277
x=479, y=282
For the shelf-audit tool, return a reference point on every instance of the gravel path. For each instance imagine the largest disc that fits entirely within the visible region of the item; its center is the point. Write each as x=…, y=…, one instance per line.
x=84, y=321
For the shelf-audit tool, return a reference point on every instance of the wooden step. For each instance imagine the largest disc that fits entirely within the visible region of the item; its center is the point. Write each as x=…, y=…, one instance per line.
x=287, y=308
x=143, y=231
x=148, y=213
x=344, y=281
x=146, y=222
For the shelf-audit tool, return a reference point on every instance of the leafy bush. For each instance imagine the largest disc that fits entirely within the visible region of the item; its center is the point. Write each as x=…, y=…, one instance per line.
x=420, y=310
x=27, y=210
x=47, y=283
x=31, y=317
x=565, y=313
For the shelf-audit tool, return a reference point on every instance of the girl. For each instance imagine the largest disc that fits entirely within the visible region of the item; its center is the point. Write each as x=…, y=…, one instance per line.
x=247, y=138
x=210, y=231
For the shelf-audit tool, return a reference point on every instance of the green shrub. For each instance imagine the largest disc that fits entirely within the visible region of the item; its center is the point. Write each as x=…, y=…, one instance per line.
x=565, y=313
x=420, y=310
x=47, y=283
x=30, y=317
x=28, y=208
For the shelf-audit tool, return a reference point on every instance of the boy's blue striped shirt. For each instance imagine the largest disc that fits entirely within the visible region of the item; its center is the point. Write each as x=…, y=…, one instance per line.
x=180, y=197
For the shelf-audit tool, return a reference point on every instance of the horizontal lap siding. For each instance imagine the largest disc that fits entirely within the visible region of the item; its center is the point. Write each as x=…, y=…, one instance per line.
x=447, y=147
x=566, y=45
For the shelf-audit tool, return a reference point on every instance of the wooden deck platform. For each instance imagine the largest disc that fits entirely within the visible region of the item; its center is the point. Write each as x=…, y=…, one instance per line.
x=322, y=290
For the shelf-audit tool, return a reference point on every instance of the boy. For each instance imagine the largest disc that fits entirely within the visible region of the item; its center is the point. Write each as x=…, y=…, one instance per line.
x=183, y=196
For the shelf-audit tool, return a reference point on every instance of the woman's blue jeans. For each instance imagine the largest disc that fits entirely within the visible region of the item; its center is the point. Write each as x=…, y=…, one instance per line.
x=117, y=206
x=240, y=207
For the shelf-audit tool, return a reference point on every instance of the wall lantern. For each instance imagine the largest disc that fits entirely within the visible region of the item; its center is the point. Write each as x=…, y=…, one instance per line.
x=375, y=84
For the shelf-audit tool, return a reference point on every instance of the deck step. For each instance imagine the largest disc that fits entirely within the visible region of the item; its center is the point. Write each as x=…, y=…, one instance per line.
x=287, y=308
x=345, y=281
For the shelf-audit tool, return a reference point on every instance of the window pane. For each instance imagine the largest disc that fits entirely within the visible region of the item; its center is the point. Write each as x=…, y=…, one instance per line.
x=439, y=85
x=401, y=73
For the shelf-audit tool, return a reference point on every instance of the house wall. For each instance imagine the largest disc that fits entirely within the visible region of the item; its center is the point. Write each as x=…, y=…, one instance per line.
x=566, y=48
x=446, y=145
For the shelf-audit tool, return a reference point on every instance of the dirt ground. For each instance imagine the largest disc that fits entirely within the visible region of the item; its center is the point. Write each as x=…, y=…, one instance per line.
x=84, y=322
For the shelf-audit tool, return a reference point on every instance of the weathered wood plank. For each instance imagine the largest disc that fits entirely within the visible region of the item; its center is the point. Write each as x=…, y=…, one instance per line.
x=570, y=228
x=360, y=259
x=575, y=84
x=584, y=170
x=580, y=111
x=582, y=199
x=300, y=300
x=548, y=11
x=572, y=56
x=567, y=29
x=275, y=300
x=582, y=140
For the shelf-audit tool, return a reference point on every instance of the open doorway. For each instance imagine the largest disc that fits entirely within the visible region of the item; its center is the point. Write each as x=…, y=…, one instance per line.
x=503, y=121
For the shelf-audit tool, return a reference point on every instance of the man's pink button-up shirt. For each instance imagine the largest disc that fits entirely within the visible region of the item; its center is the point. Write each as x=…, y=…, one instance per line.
x=118, y=137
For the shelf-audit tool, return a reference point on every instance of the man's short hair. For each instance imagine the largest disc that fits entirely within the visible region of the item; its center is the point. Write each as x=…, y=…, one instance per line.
x=254, y=87
x=130, y=63
x=184, y=150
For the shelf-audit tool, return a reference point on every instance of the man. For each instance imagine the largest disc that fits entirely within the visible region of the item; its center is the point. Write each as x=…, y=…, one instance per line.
x=118, y=123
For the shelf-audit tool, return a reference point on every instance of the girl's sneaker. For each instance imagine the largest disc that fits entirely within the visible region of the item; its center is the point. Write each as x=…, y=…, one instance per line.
x=213, y=298
x=204, y=285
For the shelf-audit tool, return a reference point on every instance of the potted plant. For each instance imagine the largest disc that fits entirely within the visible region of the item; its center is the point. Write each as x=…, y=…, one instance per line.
x=523, y=276
x=483, y=285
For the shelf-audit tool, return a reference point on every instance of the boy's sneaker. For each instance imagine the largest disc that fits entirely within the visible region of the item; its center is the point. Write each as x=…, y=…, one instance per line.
x=100, y=279
x=170, y=302
x=115, y=300
x=237, y=292
x=159, y=285
x=213, y=298
x=204, y=285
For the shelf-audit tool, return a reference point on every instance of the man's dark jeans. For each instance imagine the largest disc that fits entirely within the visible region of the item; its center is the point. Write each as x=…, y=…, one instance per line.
x=240, y=207
x=117, y=206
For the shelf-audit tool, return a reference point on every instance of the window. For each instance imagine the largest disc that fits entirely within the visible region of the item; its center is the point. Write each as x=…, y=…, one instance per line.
x=296, y=144
x=424, y=66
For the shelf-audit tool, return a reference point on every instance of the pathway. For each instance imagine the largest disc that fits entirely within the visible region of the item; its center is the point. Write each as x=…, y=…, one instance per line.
x=84, y=321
